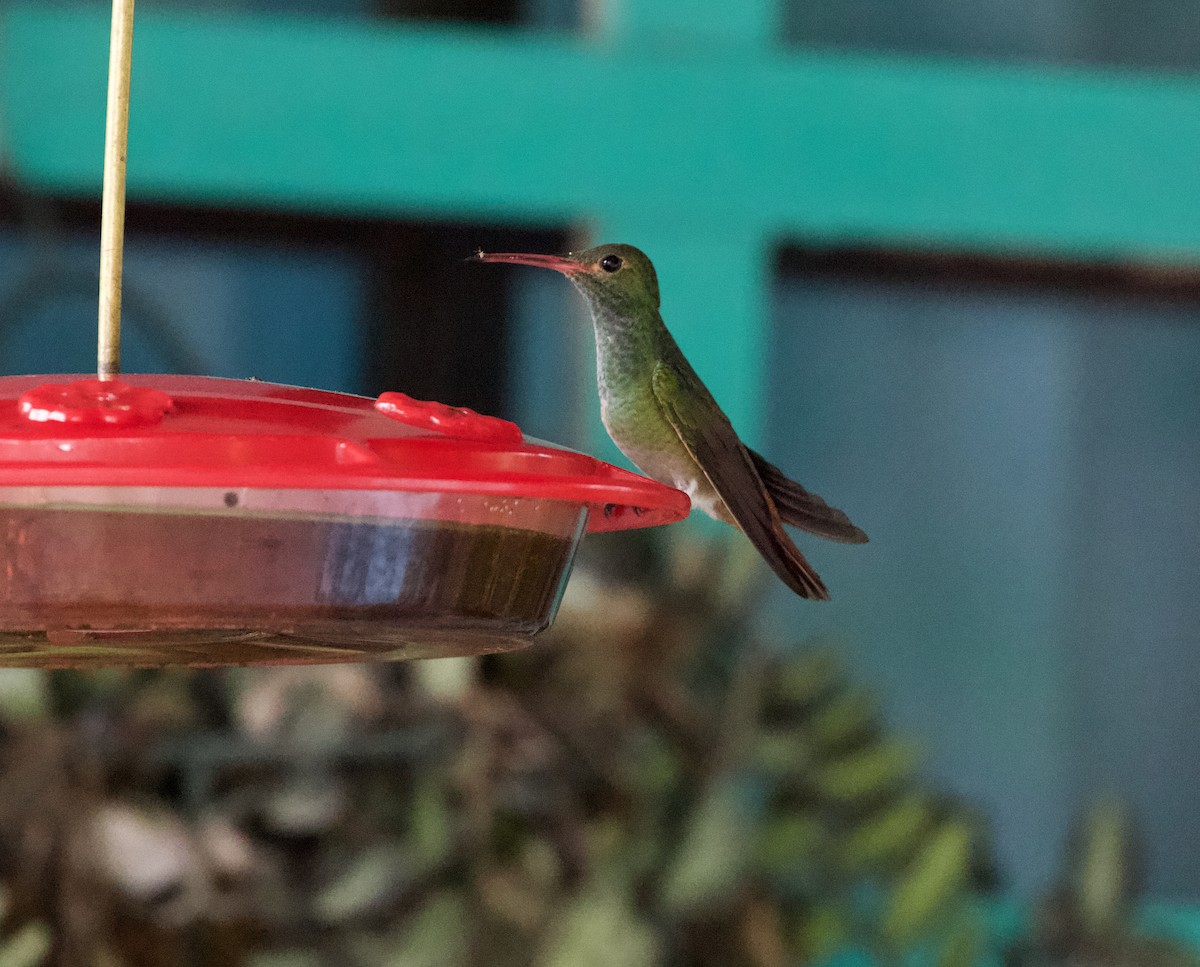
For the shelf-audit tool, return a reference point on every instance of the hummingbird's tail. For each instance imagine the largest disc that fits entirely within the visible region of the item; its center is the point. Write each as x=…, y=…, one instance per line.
x=764, y=528
x=803, y=509
x=791, y=566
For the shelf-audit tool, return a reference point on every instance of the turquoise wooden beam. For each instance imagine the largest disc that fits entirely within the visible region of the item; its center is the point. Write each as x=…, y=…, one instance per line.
x=692, y=133
x=709, y=25
x=337, y=116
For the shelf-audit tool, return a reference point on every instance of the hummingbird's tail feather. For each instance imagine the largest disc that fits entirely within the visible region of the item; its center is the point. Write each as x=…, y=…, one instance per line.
x=785, y=559
x=775, y=547
x=804, y=509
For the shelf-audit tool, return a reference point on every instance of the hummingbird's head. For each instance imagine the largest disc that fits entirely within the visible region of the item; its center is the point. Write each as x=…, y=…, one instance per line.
x=616, y=279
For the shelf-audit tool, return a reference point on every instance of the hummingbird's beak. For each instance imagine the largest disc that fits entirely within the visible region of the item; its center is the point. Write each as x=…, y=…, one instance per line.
x=559, y=263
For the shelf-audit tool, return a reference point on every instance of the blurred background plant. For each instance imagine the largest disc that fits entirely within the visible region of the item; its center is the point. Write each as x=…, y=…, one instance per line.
x=656, y=783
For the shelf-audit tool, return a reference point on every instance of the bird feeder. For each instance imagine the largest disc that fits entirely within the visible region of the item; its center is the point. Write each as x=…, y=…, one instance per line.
x=163, y=520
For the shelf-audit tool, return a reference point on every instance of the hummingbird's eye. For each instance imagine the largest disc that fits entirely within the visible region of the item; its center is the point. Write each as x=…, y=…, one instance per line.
x=610, y=263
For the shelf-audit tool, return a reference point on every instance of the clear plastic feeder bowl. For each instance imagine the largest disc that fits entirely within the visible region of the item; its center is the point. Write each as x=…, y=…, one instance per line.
x=163, y=520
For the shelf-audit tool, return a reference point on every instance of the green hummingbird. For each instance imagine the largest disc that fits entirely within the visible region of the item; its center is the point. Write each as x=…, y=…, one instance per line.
x=661, y=416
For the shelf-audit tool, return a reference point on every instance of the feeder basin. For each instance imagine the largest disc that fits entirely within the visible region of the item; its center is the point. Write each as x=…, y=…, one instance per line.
x=238, y=522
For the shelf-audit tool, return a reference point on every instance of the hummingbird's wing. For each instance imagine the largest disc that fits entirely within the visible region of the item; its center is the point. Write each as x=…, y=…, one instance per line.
x=802, y=508
x=713, y=443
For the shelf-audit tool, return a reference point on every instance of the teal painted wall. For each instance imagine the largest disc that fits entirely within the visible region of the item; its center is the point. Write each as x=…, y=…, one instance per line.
x=1025, y=464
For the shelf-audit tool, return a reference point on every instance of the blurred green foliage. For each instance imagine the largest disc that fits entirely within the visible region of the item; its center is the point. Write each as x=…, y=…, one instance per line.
x=652, y=784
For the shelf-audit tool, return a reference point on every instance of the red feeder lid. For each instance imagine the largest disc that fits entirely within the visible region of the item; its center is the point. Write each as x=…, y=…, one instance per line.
x=195, y=431
x=160, y=520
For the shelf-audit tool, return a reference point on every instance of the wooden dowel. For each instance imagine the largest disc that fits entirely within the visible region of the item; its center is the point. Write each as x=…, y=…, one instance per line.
x=112, y=217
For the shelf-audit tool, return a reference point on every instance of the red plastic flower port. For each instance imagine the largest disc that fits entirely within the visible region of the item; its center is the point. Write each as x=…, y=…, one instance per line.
x=93, y=402
x=454, y=421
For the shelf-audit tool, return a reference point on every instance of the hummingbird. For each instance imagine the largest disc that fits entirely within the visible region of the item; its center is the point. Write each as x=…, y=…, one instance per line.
x=662, y=417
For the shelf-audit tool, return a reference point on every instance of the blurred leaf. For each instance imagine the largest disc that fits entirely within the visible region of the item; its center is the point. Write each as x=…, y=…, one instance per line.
x=308, y=803
x=714, y=850
x=964, y=945
x=657, y=768
x=1103, y=867
x=790, y=843
x=845, y=719
x=372, y=881
x=448, y=679
x=819, y=932
x=868, y=774
x=434, y=936
x=937, y=875
x=431, y=825
x=805, y=677
x=888, y=837
x=28, y=947
x=600, y=929
x=782, y=752
x=24, y=694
